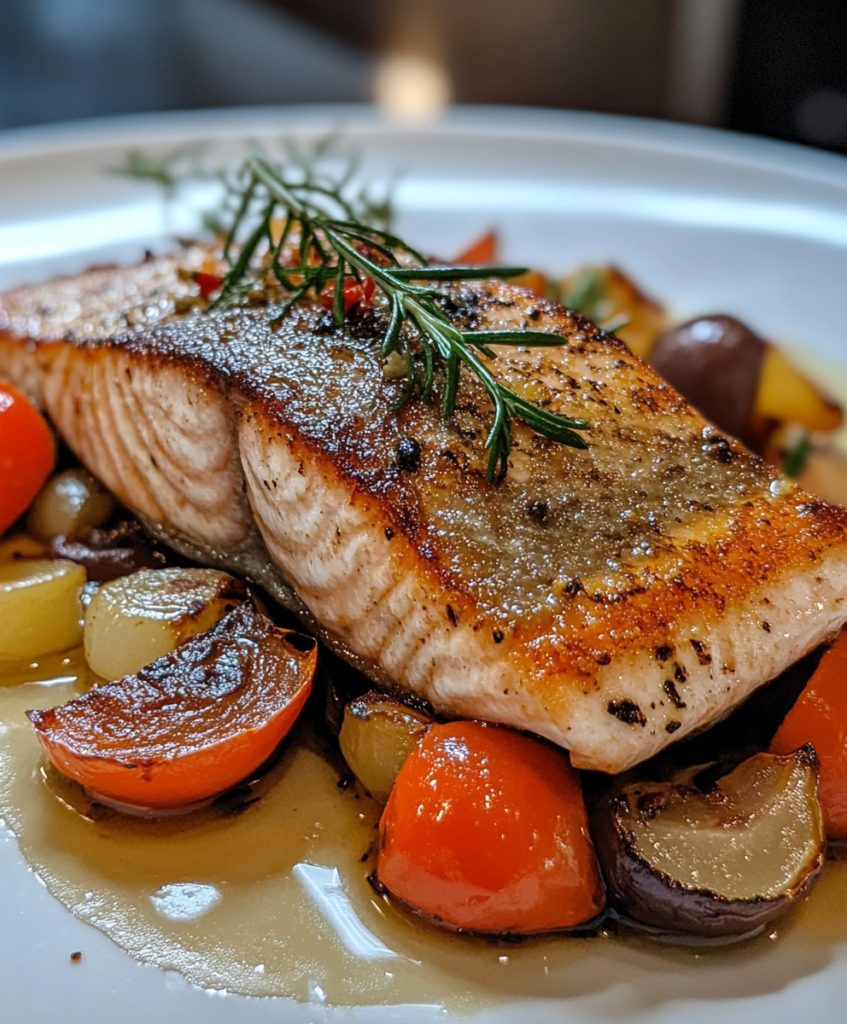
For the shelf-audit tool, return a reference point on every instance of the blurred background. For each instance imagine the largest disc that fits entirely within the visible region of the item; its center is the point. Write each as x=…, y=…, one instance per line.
x=771, y=67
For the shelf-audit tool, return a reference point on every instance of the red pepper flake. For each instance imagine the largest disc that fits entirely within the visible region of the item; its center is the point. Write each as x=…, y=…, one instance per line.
x=207, y=283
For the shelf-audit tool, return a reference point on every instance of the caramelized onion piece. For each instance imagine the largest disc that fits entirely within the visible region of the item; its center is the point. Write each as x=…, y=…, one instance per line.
x=136, y=619
x=377, y=735
x=192, y=724
x=109, y=553
x=68, y=504
x=715, y=864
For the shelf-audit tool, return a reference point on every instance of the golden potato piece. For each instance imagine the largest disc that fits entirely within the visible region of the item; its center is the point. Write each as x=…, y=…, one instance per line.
x=607, y=296
x=40, y=609
x=19, y=546
x=785, y=395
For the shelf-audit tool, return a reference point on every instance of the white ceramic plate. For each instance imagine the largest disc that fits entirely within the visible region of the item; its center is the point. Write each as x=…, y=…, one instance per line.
x=706, y=221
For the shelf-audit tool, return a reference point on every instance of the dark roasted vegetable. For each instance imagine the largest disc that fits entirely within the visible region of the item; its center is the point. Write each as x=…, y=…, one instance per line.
x=715, y=361
x=716, y=862
x=745, y=385
x=109, y=553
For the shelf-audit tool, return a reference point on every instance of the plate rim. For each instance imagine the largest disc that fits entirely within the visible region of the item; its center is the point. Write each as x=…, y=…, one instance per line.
x=769, y=156
x=653, y=134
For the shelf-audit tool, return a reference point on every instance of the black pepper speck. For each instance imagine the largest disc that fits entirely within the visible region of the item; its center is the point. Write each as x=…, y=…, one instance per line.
x=409, y=455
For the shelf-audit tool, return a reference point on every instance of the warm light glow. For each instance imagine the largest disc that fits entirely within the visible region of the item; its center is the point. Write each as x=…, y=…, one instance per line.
x=411, y=89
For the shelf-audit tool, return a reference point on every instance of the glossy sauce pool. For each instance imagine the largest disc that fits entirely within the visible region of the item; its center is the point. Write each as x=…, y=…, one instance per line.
x=266, y=892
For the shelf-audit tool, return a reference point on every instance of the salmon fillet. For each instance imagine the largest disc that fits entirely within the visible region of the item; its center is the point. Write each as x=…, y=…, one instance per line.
x=612, y=600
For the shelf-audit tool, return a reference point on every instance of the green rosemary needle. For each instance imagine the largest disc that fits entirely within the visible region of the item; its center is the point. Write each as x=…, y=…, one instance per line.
x=335, y=248
x=795, y=458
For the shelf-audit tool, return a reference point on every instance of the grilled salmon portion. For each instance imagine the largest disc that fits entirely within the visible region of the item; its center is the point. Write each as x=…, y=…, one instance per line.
x=611, y=600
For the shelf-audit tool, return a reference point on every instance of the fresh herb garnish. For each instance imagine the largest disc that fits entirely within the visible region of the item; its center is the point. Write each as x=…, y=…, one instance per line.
x=168, y=171
x=336, y=247
x=795, y=458
x=341, y=239
x=589, y=295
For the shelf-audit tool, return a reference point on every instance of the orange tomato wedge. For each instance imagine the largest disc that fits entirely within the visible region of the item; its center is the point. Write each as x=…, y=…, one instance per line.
x=486, y=830
x=820, y=717
x=27, y=454
x=482, y=252
x=534, y=280
x=191, y=724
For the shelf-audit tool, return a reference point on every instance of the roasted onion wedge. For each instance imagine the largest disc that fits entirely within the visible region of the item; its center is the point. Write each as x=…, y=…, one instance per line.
x=133, y=620
x=715, y=864
x=190, y=725
x=377, y=735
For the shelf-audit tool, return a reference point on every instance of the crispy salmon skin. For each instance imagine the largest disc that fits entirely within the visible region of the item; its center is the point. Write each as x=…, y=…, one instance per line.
x=612, y=599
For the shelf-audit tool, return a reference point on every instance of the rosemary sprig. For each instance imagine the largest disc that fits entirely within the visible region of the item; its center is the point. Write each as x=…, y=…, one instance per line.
x=337, y=248
x=167, y=171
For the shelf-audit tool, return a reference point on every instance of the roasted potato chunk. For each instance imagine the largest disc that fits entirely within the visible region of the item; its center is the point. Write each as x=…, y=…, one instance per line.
x=787, y=396
x=614, y=302
x=19, y=546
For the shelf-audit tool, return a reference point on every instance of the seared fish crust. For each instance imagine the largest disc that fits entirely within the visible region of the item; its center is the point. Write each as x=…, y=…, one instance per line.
x=611, y=600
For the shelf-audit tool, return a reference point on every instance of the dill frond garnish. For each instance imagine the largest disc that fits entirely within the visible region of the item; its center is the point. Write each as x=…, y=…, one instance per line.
x=335, y=245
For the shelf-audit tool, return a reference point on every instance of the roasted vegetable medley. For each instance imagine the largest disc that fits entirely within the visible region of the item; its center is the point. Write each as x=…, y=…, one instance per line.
x=484, y=829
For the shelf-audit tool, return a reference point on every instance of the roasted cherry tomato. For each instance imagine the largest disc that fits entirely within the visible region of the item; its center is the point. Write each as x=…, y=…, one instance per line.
x=27, y=454
x=207, y=283
x=820, y=717
x=355, y=294
x=482, y=253
x=486, y=830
